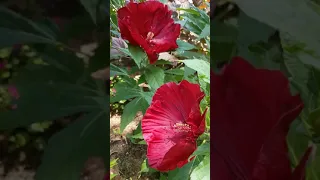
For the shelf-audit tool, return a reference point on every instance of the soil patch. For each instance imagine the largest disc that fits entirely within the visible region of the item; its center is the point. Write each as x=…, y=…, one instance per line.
x=129, y=156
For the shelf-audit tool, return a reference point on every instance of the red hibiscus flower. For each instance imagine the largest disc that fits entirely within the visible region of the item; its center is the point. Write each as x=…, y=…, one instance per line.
x=251, y=113
x=172, y=124
x=149, y=25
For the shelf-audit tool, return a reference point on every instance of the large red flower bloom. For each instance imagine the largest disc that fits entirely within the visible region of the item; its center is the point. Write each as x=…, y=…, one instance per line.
x=149, y=25
x=172, y=124
x=250, y=117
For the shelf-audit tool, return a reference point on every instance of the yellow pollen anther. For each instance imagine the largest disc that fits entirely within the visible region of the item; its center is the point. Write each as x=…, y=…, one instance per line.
x=182, y=127
x=150, y=35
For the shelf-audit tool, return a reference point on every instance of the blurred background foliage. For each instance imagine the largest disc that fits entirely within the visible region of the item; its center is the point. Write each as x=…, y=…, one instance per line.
x=277, y=35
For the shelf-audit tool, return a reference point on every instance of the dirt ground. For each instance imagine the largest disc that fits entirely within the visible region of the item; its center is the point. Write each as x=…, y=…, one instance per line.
x=19, y=173
x=130, y=156
x=94, y=168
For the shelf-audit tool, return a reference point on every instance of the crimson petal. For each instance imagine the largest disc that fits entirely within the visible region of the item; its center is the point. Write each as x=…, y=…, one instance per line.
x=251, y=113
x=172, y=124
x=149, y=25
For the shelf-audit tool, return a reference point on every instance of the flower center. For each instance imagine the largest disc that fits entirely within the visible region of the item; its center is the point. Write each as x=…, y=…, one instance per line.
x=150, y=35
x=182, y=127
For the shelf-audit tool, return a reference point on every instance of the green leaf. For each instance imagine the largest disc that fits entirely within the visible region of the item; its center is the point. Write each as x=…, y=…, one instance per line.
x=204, y=15
x=191, y=11
x=297, y=143
x=40, y=102
x=115, y=70
x=101, y=57
x=137, y=136
x=315, y=5
x=253, y=42
x=116, y=4
x=124, y=92
x=189, y=75
x=144, y=167
x=202, y=67
x=113, y=163
x=130, y=111
x=196, y=21
x=310, y=60
x=295, y=67
x=49, y=26
x=193, y=25
x=52, y=94
x=223, y=33
x=67, y=150
x=299, y=51
x=184, y=46
x=173, y=78
x=202, y=171
x=11, y=37
x=252, y=31
x=181, y=173
x=314, y=120
x=15, y=29
x=138, y=55
x=76, y=28
x=191, y=54
x=205, y=31
x=264, y=51
x=288, y=16
x=314, y=87
x=103, y=13
x=91, y=7
x=204, y=85
x=204, y=149
x=68, y=62
x=178, y=72
x=147, y=96
x=47, y=93
x=154, y=77
x=112, y=176
x=223, y=40
x=313, y=172
x=163, y=177
x=292, y=56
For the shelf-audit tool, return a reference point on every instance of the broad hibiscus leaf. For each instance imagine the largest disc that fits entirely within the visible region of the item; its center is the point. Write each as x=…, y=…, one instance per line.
x=252, y=109
x=52, y=95
x=185, y=46
x=287, y=16
x=67, y=151
x=202, y=67
x=223, y=43
x=172, y=124
x=251, y=33
x=101, y=58
x=149, y=25
x=92, y=7
x=154, y=77
x=117, y=71
x=39, y=102
x=131, y=109
x=16, y=29
x=201, y=171
x=182, y=173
